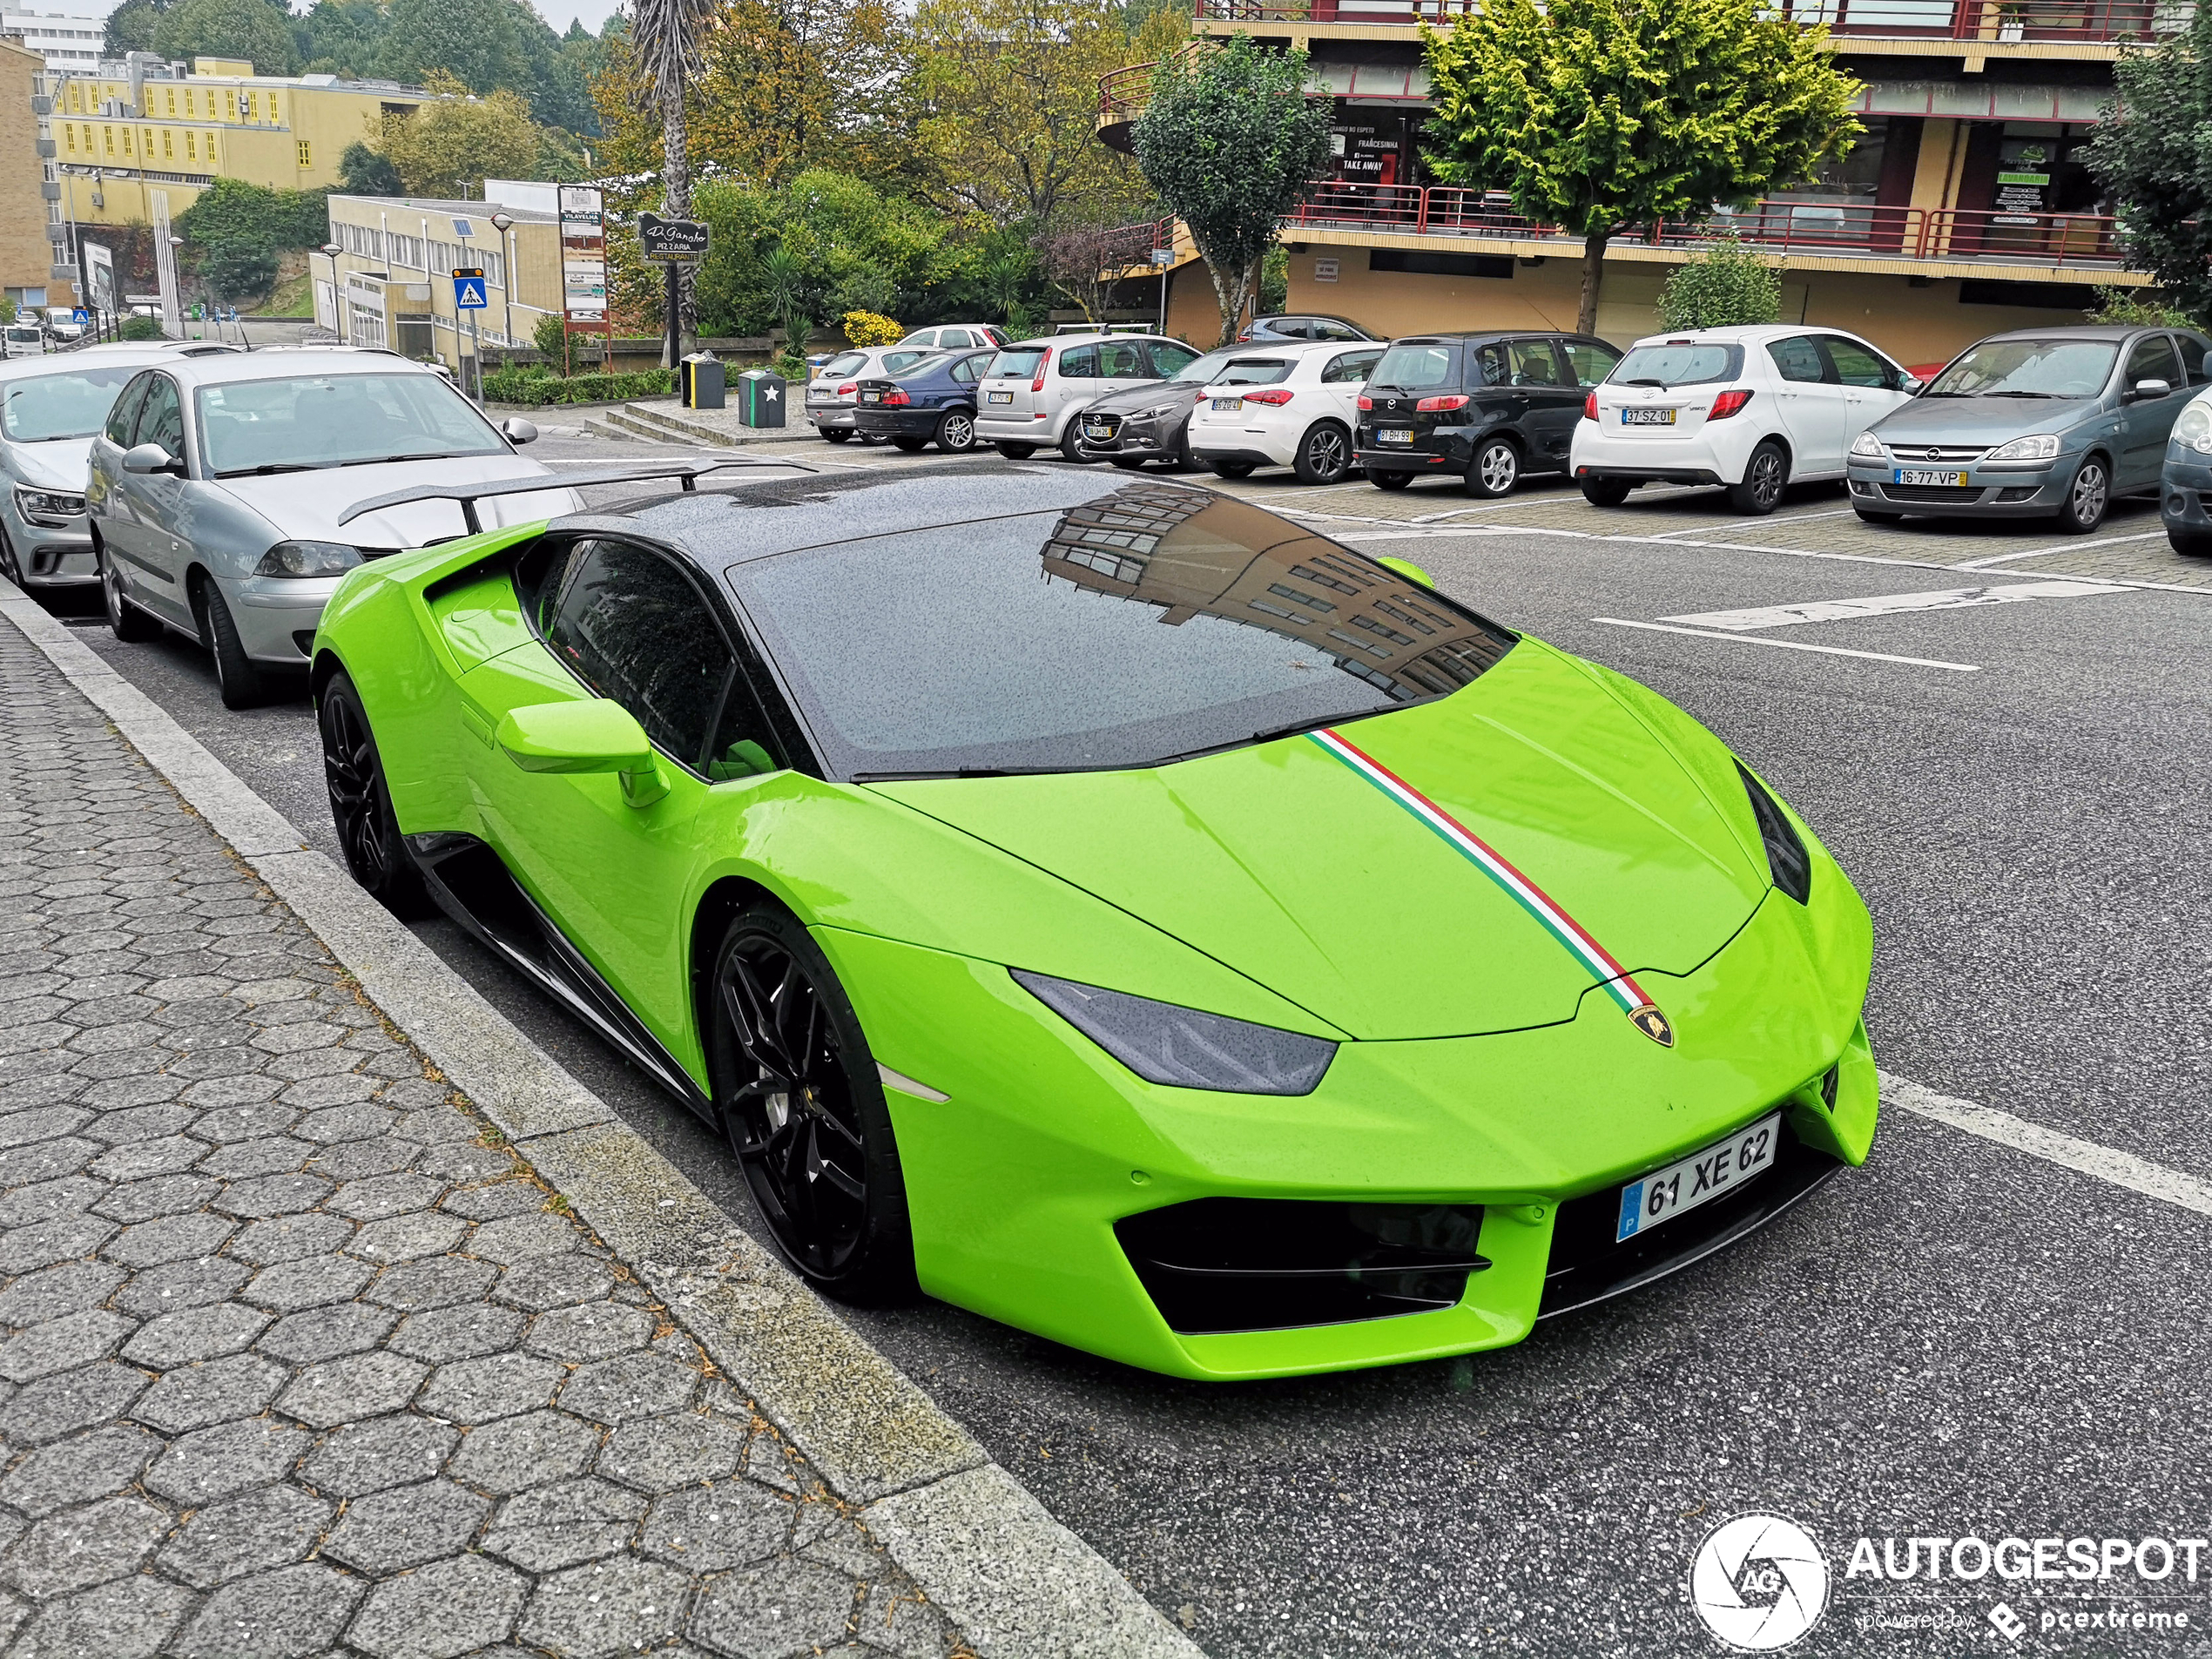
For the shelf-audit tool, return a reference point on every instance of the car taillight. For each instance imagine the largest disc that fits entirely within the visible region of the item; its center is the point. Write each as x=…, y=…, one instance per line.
x=1727, y=404
x=1043, y=362
x=1590, y=406
x=848, y=389
x=1367, y=402
x=895, y=399
x=1438, y=405
x=1276, y=397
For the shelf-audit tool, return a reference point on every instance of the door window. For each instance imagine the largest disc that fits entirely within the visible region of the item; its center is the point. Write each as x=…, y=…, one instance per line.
x=162, y=420
x=1330, y=328
x=1353, y=367
x=2192, y=350
x=1798, y=360
x=742, y=747
x=2153, y=360
x=1080, y=364
x=1170, y=358
x=125, y=414
x=1290, y=328
x=969, y=370
x=630, y=626
x=953, y=340
x=1493, y=366
x=1856, y=365
x=1123, y=360
x=1590, y=361
x=1533, y=364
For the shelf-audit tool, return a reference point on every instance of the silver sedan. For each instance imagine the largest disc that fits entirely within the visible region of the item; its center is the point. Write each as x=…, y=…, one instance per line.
x=217, y=487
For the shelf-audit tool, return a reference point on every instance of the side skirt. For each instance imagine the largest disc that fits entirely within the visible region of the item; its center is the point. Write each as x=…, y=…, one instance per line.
x=474, y=886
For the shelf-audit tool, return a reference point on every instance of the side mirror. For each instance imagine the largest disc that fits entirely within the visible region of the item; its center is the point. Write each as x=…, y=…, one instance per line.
x=1912, y=385
x=2144, y=391
x=151, y=458
x=515, y=429
x=589, y=734
x=1407, y=569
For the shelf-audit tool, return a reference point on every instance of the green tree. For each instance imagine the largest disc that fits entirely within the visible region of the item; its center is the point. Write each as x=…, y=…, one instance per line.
x=473, y=41
x=348, y=35
x=1228, y=142
x=1595, y=115
x=253, y=29
x=362, y=172
x=2153, y=153
x=1727, y=285
x=666, y=36
x=234, y=232
x=130, y=26
x=450, y=145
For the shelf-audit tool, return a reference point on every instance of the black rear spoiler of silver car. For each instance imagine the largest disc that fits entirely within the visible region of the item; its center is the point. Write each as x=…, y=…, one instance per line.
x=686, y=474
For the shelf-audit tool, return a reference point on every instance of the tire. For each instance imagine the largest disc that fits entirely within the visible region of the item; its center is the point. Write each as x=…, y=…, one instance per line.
x=1324, y=454
x=957, y=432
x=1391, y=479
x=360, y=804
x=124, y=620
x=2088, y=497
x=2194, y=547
x=243, y=684
x=1231, y=469
x=1015, y=451
x=1867, y=514
x=1070, y=442
x=1495, y=468
x=801, y=1106
x=1765, y=475
x=8, y=569
x=836, y=434
x=1605, y=492
x=911, y=446
x=1180, y=461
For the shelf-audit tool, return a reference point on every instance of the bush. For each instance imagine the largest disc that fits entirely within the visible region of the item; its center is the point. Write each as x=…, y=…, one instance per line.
x=1726, y=286
x=2130, y=308
x=867, y=329
x=551, y=339
x=140, y=327
x=534, y=386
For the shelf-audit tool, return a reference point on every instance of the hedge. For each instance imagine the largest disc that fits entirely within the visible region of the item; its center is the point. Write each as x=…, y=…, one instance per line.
x=533, y=385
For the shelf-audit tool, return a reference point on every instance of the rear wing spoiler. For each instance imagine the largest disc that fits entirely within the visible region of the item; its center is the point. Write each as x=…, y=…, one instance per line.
x=685, y=472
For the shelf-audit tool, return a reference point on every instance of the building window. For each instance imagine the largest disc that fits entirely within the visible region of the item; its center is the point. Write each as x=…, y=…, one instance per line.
x=192, y=146
x=496, y=270
x=307, y=156
x=172, y=100
x=188, y=102
x=69, y=128
x=272, y=107
x=210, y=149
x=168, y=143
x=109, y=133
x=126, y=141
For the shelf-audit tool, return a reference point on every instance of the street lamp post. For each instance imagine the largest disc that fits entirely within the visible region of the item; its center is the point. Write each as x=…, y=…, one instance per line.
x=504, y=223
x=331, y=251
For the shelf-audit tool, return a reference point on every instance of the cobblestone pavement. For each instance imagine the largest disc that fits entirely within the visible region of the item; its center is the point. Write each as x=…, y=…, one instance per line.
x=299, y=1359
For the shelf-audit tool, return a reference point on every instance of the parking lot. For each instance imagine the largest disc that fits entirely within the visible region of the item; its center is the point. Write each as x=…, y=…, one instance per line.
x=1995, y=729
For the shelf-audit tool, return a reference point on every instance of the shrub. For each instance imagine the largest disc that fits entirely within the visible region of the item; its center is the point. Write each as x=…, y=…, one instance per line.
x=534, y=386
x=140, y=327
x=2134, y=308
x=1726, y=286
x=551, y=338
x=867, y=329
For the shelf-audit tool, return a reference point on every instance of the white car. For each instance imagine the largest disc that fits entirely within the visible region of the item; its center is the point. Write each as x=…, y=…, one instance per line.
x=835, y=389
x=1285, y=404
x=1755, y=408
x=1034, y=389
x=24, y=340
x=953, y=336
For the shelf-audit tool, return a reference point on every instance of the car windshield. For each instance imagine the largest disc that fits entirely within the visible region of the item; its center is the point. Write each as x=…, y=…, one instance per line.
x=1035, y=642
x=1408, y=369
x=1201, y=371
x=1019, y=363
x=2028, y=368
x=844, y=363
x=1254, y=371
x=73, y=405
x=1678, y=362
x=308, y=421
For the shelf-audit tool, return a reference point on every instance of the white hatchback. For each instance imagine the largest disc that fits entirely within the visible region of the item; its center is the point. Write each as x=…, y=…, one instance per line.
x=1035, y=388
x=1285, y=404
x=834, y=390
x=1754, y=408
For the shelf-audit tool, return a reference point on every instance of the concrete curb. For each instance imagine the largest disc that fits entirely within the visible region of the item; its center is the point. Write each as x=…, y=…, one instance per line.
x=1014, y=1582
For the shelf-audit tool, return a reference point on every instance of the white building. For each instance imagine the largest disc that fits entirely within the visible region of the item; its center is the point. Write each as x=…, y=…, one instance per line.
x=65, y=39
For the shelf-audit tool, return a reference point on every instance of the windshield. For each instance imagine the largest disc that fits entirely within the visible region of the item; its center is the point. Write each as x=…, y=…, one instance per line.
x=1202, y=370
x=309, y=420
x=844, y=363
x=1678, y=363
x=1408, y=369
x=1254, y=371
x=1036, y=641
x=2028, y=368
x=74, y=405
x=1017, y=364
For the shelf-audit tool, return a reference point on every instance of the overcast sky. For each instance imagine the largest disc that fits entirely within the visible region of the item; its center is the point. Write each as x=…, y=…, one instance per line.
x=559, y=13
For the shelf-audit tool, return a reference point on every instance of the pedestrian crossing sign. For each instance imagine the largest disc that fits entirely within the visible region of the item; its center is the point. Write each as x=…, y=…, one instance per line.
x=468, y=290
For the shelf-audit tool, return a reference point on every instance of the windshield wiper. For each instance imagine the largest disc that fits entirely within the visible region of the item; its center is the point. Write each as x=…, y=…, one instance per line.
x=1662, y=385
x=379, y=461
x=2012, y=394
x=268, y=467
x=972, y=772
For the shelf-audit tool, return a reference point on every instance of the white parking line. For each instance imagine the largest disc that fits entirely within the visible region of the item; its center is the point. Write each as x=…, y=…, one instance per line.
x=1783, y=518
x=1882, y=604
x=2054, y=549
x=2120, y=1169
x=1791, y=645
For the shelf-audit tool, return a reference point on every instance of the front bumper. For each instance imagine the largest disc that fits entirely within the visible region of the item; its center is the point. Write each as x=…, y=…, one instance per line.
x=1994, y=489
x=1153, y=440
x=50, y=557
x=276, y=616
x=2185, y=497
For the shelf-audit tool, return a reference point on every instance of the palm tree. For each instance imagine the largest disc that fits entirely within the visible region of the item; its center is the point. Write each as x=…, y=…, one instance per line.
x=666, y=34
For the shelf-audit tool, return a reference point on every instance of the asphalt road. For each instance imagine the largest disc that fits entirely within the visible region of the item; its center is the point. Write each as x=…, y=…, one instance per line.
x=1961, y=1339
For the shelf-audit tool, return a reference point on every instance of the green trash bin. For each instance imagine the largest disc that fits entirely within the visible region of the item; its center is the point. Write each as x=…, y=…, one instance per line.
x=702, y=385
x=761, y=397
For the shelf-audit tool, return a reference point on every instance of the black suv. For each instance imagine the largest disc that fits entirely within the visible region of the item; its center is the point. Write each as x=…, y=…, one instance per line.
x=1487, y=407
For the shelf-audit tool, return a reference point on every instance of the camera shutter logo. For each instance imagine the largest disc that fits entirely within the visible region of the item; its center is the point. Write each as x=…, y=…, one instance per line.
x=1759, y=1583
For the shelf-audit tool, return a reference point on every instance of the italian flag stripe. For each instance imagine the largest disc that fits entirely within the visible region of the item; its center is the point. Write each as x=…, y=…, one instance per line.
x=1616, y=981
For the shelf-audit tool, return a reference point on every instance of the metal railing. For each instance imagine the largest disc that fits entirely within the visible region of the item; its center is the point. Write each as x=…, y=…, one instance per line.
x=1990, y=20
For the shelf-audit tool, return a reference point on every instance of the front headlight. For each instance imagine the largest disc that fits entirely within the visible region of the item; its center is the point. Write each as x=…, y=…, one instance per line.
x=1785, y=853
x=1154, y=413
x=309, y=559
x=2043, y=446
x=51, y=508
x=2195, y=428
x=1163, y=1043
x=1868, y=445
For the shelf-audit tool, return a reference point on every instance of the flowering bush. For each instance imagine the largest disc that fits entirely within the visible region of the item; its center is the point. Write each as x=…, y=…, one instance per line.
x=867, y=329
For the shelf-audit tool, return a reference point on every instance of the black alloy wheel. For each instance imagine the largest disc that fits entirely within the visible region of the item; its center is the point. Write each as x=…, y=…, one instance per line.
x=803, y=1109
x=2089, y=498
x=1388, y=477
x=1764, y=475
x=1324, y=454
x=124, y=620
x=360, y=804
x=957, y=432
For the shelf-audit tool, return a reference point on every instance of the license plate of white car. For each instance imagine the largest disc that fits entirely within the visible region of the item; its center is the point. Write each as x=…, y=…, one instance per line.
x=1654, y=1199
x=1393, y=435
x=998, y=397
x=1228, y=405
x=1921, y=475
x=1648, y=417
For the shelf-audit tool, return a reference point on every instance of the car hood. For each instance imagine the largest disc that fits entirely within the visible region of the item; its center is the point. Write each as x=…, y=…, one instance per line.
x=1290, y=863
x=1979, y=420
x=1131, y=399
x=59, y=464
x=307, y=506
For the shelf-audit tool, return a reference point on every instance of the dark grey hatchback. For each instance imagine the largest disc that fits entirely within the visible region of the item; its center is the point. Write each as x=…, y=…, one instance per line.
x=1485, y=407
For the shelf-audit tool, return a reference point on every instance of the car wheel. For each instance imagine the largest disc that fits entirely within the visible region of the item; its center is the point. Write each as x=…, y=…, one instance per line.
x=1015, y=451
x=2087, y=498
x=1324, y=454
x=2195, y=547
x=836, y=434
x=1867, y=514
x=235, y=673
x=1605, y=492
x=360, y=804
x=912, y=446
x=1231, y=469
x=1495, y=468
x=1390, y=480
x=802, y=1106
x=1764, y=475
x=957, y=432
x=1070, y=446
x=124, y=620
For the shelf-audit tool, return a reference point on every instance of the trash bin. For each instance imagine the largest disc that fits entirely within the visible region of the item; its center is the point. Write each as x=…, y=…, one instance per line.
x=760, y=398
x=701, y=386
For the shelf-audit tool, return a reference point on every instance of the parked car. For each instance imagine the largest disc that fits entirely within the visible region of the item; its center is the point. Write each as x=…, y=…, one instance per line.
x=61, y=326
x=834, y=391
x=1295, y=406
x=1150, y=421
x=1753, y=409
x=50, y=411
x=1306, y=325
x=213, y=512
x=1485, y=407
x=933, y=401
x=2185, y=493
x=1034, y=390
x=954, y=336
x=2037, y=424
x=24, y=340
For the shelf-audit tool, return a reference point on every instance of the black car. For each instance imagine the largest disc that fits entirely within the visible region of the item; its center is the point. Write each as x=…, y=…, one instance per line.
x=936, y=399
x=1485, y=407
x=1306, y=325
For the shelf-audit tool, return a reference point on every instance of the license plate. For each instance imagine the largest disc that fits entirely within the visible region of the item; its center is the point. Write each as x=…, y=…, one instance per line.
x=1393, y=435
x=1721, y=1168
x=1101, y=433
x=1228, y=405
x=871, y=397
x=998, y=397
x=1648, y=417
x=1921, y=475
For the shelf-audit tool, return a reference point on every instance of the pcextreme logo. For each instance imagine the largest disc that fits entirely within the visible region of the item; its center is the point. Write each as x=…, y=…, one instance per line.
x=1759, y=1583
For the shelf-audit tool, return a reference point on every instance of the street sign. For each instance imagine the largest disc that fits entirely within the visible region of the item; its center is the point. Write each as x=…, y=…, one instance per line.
x=1163, y=256
x=469, y=289
x=80, y=316
x=677, y=240
x=583, y=256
